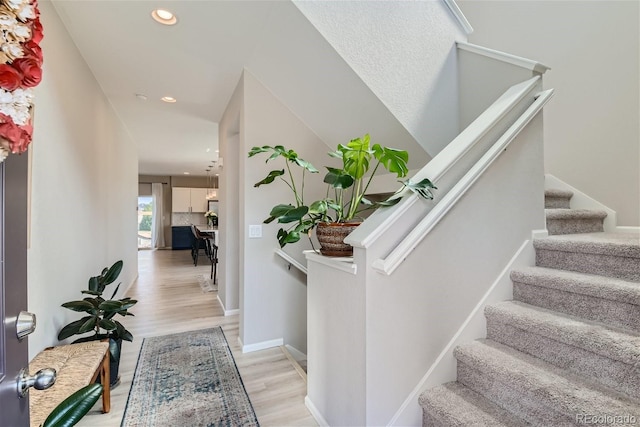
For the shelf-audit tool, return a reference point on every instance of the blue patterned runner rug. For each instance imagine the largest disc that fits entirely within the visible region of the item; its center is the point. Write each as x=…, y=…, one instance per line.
x=188, y=379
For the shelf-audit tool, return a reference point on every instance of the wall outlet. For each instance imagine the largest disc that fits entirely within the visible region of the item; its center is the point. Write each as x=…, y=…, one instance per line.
x=255, y=231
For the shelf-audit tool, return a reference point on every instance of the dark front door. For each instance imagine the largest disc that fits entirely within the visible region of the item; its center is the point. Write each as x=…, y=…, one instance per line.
x=14, y=355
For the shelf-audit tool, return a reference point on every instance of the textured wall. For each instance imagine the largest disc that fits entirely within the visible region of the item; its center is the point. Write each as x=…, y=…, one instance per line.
x=405, y=53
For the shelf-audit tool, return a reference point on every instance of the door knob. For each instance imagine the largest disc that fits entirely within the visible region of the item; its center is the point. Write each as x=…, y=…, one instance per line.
x=42, y=380
x=25, y=324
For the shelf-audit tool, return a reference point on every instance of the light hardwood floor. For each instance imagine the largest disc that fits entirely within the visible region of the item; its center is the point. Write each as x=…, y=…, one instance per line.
x=170, y=300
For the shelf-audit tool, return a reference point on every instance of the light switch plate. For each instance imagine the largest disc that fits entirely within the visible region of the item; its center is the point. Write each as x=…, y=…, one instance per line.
x=255, y=231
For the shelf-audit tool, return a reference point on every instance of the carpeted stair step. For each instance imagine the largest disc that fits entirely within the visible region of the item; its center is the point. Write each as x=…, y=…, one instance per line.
x=597, y=298
x=608, y=356
x=536, y=391
x=453, y=404
x=557, y=199
x=607, y=254
x=572, y=221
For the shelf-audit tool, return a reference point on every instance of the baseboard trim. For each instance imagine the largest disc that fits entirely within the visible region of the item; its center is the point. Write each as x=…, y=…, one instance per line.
x=227, y=312
x=627, y=229
x=249, y=348
x=539, y=234
x=315, y=413
x=473, y=327
x=124, y=292
x=294, y=355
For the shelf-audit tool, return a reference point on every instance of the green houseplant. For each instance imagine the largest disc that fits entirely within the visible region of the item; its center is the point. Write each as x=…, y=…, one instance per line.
x=339, y=211
x=71, y=410
x=100, y=319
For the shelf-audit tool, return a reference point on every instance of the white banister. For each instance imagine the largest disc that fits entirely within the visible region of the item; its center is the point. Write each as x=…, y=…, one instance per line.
x=462, y=20
x=291, y=260
x=397, y=255
x=504, y=57
x=448, y=158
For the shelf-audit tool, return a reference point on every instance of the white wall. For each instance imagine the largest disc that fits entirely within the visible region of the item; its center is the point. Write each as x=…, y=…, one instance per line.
x=592, y=126
x=405, y=53
x=272, y=298
x=305, y=72
x=230, y=138
x=84, y=186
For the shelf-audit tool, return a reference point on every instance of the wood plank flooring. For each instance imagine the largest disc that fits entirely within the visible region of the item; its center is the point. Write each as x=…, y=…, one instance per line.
x=170, y=300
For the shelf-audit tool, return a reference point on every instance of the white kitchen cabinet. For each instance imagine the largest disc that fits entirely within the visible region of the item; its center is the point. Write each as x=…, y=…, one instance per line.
x=189, y=199
x=198, y=200
x=181, y=200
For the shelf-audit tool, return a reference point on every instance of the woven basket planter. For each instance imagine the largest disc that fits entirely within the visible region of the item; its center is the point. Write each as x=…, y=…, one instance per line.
x=331, y=237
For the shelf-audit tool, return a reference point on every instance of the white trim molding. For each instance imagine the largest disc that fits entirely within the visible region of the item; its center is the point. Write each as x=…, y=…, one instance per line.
x=295, y=353
x=227, y=312
x=249, y=348
x=315, y=413
x=343, y=264
x=627, y=229
x=448, y=158
x=581, y=200
x=457, y=13
x=402, y=250
x=504, y=57
x=290, y=260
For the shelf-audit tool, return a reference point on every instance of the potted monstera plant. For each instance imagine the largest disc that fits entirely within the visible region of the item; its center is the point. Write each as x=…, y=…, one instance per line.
x=337, y=214
x=99, y=320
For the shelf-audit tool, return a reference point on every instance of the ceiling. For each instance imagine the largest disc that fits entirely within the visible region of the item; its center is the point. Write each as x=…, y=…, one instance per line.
x=198, y=61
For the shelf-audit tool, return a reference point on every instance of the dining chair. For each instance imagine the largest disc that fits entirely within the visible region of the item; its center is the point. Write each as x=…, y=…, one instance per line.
x=198, y=243
x=213, y=257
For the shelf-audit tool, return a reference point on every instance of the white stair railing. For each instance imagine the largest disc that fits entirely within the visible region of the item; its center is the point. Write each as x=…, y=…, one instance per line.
x=417, y=234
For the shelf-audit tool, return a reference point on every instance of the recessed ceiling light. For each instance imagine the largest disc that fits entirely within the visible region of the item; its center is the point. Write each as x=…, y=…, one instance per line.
x=169, y=99
x=186, y=173
x=164, y=17
x=217, y=174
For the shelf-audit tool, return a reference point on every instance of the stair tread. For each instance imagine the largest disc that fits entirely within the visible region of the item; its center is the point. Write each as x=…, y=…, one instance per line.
x=572, y=214
x=555, y=192
x=610, y=342
x=581, y=283
x=615, y=244
x=459, y=405
x=558, y=388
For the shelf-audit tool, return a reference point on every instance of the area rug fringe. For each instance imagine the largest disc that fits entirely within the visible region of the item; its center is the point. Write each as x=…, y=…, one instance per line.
x=188, y=379
x=206, y=283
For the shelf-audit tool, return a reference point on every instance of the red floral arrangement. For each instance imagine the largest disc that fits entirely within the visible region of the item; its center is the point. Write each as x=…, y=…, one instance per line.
x=20, y=72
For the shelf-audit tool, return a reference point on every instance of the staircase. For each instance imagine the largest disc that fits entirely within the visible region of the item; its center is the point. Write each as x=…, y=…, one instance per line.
x=566, y=350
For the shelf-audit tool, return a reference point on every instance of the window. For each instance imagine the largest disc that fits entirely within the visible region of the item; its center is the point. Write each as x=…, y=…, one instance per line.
x=145, y=219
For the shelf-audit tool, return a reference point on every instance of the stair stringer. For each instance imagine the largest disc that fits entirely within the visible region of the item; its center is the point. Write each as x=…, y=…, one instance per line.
x=443, y=370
